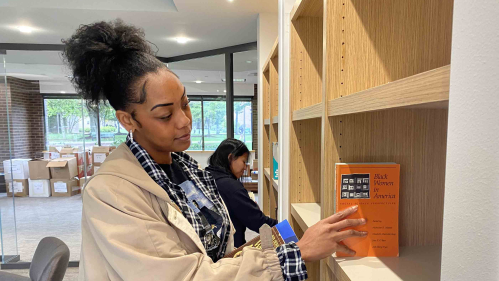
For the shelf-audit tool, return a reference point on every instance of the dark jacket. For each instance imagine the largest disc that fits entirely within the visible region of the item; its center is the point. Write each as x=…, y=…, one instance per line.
x=243, y=211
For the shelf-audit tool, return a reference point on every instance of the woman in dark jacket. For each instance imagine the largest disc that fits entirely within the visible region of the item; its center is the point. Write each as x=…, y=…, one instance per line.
x=227, y=165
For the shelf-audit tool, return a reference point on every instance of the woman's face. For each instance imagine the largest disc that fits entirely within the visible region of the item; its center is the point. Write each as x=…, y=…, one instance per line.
x=238, y=165
x=165, y=119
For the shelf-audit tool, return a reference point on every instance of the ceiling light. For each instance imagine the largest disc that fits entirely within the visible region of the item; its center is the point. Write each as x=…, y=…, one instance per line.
x=248, y=61
x=218, y=91
x=182, y=40
x=198, y=82
x=63, y=92
x=25, y=29
x=235, y=80
x=225, y=91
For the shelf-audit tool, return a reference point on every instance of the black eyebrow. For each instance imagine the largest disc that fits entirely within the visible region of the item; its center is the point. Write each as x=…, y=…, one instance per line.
x=166, y=104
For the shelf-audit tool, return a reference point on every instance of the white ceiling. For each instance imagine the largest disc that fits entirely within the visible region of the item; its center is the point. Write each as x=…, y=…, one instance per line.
x=210, y=24
x=48, y=68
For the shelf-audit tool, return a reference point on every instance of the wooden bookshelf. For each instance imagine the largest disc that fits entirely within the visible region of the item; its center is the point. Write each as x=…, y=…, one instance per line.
x=270, y=74
x=386, y=91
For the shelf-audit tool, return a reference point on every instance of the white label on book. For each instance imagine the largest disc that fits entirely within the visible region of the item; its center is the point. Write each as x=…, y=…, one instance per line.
x=55, y=155
x=37, y=187
x=99, y=157
x=60, y=187
x=18, y=187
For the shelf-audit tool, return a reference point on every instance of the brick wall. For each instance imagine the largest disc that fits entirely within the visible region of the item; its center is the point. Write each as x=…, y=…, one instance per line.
x=26, y=119
x=254, y=106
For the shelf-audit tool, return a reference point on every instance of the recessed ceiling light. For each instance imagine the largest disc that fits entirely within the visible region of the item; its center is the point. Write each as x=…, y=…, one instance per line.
x=63, y=92
x=182, y=40
x=225, y=91
x=25, y=29
x=248, y=61
x=198, y=82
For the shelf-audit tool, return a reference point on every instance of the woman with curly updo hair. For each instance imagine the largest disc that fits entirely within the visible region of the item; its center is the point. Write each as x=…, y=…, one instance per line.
x=150, y=213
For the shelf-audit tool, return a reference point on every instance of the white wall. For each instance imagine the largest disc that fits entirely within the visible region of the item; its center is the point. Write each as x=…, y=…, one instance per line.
x=471, y=211
x=267, y=33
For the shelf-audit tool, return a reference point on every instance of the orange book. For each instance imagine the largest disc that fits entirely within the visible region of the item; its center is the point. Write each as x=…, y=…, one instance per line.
x=374, y=187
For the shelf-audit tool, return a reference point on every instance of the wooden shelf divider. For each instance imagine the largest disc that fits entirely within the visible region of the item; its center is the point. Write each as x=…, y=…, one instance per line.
x=306, y=214
x=429, y=89
x=311, y=112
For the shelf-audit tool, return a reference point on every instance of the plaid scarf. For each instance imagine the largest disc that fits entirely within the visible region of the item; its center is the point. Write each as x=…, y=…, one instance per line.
x=215, y=246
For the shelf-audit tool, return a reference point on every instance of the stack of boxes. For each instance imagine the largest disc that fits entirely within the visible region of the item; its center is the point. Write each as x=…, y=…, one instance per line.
x=60, y=173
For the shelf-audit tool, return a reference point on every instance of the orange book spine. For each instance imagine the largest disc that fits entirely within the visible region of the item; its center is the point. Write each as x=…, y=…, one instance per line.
x=375, y=189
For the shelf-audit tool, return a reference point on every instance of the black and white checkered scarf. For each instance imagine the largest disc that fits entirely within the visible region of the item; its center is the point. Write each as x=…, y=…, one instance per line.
x=215, y=247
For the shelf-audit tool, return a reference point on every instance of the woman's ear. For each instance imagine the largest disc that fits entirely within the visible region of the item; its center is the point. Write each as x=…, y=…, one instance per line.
x=230, y=157
x=126, y=120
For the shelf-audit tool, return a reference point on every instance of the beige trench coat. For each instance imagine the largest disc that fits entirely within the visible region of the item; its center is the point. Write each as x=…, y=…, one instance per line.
x=132, y=231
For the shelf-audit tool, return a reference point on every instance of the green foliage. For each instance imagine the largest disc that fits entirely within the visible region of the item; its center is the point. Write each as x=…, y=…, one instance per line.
x=108, y=129
x=69, y=109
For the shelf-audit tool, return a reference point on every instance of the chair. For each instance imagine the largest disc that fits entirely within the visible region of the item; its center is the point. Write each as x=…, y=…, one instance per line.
x=50, y=262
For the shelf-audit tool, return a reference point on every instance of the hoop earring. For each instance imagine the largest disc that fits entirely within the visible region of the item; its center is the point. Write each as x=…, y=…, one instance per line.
x=131, y=134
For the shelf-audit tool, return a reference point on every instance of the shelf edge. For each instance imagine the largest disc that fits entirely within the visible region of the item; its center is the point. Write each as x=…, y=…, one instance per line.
x=430, y=87
x=266, y=121
x=310, y=112
x=299, y=218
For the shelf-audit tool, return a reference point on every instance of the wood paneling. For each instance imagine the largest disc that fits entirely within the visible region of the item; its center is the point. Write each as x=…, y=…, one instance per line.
x=266, y=94
x=371, y=43
x=266, y=196
x=274, y=86
x=417, y=140
x=306, y=63
x=307, y=8
x=305, y=161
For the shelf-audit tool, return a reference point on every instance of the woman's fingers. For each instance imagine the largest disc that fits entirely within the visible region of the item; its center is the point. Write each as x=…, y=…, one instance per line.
x=348, y=223
x=344, y=249
x=341, y=215
x=342, y=235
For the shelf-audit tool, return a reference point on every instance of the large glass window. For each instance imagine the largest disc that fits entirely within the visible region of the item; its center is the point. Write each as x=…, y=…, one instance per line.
x=215, y=123
x=197, y=125
x=111, y=131
x=243, y=122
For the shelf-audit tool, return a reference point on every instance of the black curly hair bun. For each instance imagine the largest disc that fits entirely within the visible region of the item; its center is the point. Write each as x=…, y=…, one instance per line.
x=107, y=59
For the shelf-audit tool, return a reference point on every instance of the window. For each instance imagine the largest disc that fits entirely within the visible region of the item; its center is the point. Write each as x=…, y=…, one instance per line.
x=65, y=125
x=243, y=129
x=111, y=131
x=197, y=125
x=215, y=123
